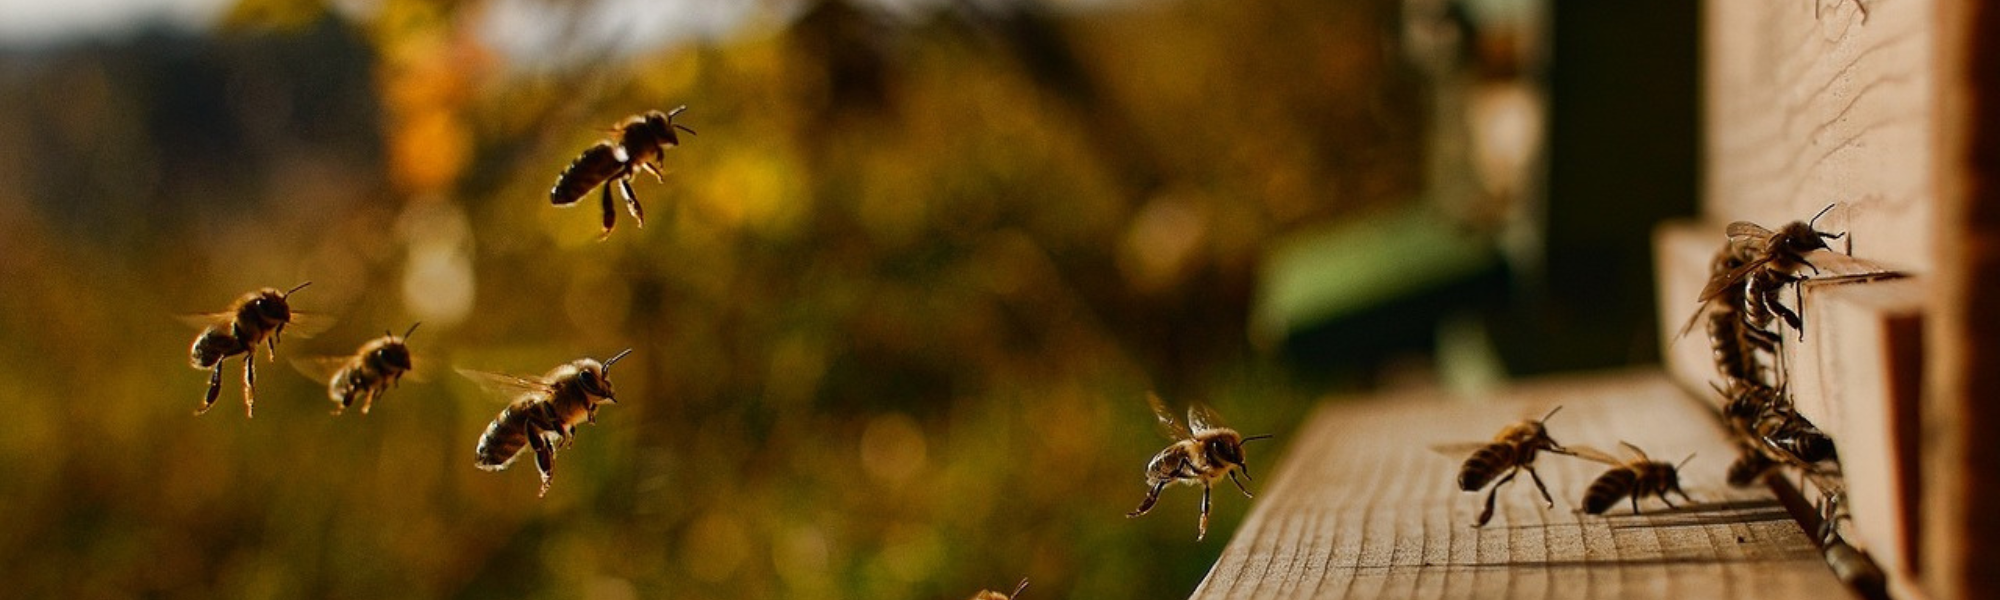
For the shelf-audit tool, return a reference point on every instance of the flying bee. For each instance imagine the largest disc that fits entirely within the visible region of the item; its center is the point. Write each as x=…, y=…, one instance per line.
x=377, y=366
x=545, y=414
x=1512, y=450
x=257, y=317
x=1203, y=452
x=993, y=595
x=1770, y=261
x=1633, y=479
x=639, y=144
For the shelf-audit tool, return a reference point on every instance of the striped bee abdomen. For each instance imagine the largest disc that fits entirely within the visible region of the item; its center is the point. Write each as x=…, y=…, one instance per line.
x=503, y=440
x=212, y=346
x=592, y=168
x=1609, y=488
x=1485, y=463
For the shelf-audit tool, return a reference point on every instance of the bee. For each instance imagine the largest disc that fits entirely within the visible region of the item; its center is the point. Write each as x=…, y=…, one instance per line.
x=1770, y=260
x=993, y=595
x=1512, y=450
x=640, y=142
x=257, y=317
x=1789, y=432
x=1633, y=479
x=545, y=415
x=1735, y=345
x=1203, y=452
x=377, y=366
x=1751, y=463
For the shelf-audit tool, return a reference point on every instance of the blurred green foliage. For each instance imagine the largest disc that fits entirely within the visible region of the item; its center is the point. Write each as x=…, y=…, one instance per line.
x=895, y=308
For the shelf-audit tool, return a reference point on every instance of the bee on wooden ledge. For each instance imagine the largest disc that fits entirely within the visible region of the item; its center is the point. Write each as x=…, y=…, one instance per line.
x=1634, y=479
x=1512, y=450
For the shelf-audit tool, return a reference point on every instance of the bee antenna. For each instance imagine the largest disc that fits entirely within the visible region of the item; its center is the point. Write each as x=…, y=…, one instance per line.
x=413, y=329
x=614, y=360
x=677, y=110
x=684, y=128
x=1018, y=587
x=1822, y=212
x=296, y=289
x=1684, y=461
x=1552, y=412
x=1259, y=437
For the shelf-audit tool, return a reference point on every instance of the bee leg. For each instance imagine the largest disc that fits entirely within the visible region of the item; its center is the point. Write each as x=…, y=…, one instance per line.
x=1538, y=485
x=545, y=461
x=214, y=388
x=250, y=384
x=1635, y=503
x=610, y=213
x=368, y=398
x=1202, y=533
x=1239, y=484
x=1486, y=514
x=632, y=201
x=1670, y=503
x=1152, y=496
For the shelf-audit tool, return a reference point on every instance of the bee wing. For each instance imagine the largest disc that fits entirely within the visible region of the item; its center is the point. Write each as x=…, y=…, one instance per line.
x=1641, y=454
x=205, y=320
x=320, y=368
x=1734, y=277
x=1745, y=232
x=504, y=385
x=1458, y=450
x=1692, y=319
x=308, y=324
x=1593, y=454
x=1202, y=417
x=1168, y=426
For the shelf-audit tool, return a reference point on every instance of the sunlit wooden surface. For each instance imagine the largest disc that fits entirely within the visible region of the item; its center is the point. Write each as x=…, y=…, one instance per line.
x=1361, y=506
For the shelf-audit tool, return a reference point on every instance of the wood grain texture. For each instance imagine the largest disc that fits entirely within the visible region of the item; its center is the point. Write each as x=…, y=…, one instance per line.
x=1814, y=103
x=1363, y=507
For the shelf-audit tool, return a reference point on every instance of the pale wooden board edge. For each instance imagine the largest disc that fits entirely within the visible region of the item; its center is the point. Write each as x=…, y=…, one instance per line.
x=1362, y=507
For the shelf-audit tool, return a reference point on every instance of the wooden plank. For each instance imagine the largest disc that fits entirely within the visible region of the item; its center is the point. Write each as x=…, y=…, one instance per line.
x=1813, y=103
x=1959, y=459
x=1361, y=507
x=1856, y=375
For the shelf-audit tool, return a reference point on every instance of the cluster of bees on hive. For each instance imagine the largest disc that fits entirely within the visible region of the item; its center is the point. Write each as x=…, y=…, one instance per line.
x=1745, y=316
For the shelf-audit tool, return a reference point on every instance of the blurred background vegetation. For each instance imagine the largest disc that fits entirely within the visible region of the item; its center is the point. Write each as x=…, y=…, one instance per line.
x=895, y=310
